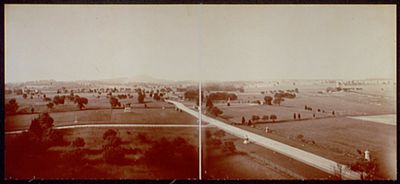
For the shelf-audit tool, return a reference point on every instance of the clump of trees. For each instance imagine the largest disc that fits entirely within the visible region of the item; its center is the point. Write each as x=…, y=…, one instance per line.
x=81, y=101
x=172, y=154
x=122, y=96
x=222, y=87
x=157, y=96
x=212, y=109
x=114, y=102
x=368, y=169
x=256, y=118
x=141, y=97
x=46, y=99
x=285, y=95
x=75, y=156
x=278, y=100
x=41, y=133
x=112, y=150
x=222, y=96
x=18, y=91
x=273, y=117
x=268, y=100
x=215, y=140
x=7, y=91
x=192, y=95
x=229, y=147
x=12, y=106
x=59, y=99
x=78, y=142
x=50, y=105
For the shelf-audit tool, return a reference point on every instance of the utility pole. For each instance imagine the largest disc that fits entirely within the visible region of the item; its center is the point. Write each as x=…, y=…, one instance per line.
x=200, y=131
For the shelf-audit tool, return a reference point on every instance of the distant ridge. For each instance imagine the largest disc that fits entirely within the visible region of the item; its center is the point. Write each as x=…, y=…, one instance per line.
x=136, y=79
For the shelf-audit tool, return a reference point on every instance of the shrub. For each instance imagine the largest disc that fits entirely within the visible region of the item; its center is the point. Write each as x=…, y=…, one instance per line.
x=282, y=94
x=300, y=136
x=141, y=97
x=50, y=105
x=214, y=142
x=255, y=117
x=370, y=168
x=219, y=134
x=81, y=101
x=74, y=157
x=108, y=133
x=273, y=117
x=243, y=120
x=171, y=154
x=215, y=111
x=122, y=96
x=59, y=99
x=143, y=138
x=278, y=100
x=114, y=155
x=222, y=96
x=41, y=124
x=229, y=147
x=46, y=99
x=268, y=100
x=114, y=102
x=57, y=138
x=265, y=117
x=78, y=142
x=12, y=106
x=192, y=95
x=209, y=103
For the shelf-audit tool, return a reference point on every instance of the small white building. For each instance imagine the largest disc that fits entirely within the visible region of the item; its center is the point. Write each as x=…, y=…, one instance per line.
x=128, y=108
x=76, y=119
x=367, y=155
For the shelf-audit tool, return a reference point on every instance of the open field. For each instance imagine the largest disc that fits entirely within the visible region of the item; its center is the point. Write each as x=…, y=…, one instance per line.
x=138, y=115
x=103, y=102
x=250, y=161
x=366, y=102
x=389, y=119
x=337, y=139
x=333, y=136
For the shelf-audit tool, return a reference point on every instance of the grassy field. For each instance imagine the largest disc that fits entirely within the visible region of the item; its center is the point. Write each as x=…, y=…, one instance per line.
x=103, y=102
x=338, y=139
x=251, y=161
x=365, y=102
x=334, y=137
x=151, y=115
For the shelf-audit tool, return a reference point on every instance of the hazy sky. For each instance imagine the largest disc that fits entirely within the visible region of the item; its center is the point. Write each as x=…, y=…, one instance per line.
x=183, y=42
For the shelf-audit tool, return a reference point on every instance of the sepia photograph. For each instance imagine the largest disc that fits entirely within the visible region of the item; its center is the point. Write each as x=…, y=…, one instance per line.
x=200, y=92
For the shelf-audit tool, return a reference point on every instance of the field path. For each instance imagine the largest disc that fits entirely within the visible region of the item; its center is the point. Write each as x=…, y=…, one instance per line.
x=389, y=119
x=125, y=125
x=313, y=160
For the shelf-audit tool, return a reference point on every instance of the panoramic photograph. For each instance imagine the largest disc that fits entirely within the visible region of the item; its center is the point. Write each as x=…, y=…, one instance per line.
x=200, y=92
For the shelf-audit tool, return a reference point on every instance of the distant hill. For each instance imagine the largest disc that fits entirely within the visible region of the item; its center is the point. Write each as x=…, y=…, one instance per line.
x=138, y=78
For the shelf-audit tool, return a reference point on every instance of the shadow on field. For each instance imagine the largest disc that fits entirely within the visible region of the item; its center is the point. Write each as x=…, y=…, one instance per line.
x=43, y=152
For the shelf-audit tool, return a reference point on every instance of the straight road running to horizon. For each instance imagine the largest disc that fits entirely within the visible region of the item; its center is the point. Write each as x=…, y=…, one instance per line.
x=313, y=160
